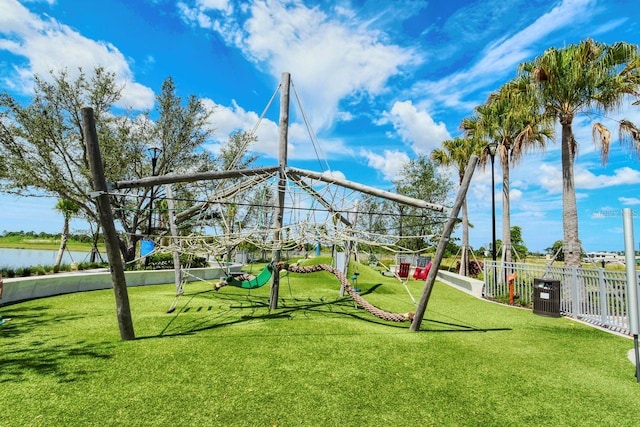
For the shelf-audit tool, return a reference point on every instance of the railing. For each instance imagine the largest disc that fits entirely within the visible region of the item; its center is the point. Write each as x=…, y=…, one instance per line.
x=593, y=295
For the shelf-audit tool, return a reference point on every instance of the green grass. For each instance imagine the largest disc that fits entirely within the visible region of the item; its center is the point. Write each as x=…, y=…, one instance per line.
x=222, y=359
x=48, y=243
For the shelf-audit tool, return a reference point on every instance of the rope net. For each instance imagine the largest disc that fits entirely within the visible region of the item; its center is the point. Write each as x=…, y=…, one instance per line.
x=241, y=214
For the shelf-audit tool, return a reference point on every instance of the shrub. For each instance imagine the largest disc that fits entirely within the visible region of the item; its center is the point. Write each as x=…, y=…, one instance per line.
x=165, y=261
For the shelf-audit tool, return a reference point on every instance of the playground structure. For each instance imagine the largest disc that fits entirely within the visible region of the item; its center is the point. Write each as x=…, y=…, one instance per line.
x=318, y=204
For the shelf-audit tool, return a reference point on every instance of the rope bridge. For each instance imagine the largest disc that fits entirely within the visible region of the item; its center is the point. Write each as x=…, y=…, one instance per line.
x=377, y=312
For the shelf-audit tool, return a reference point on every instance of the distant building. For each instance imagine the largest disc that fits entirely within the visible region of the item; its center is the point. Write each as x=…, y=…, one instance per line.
x=602, y=257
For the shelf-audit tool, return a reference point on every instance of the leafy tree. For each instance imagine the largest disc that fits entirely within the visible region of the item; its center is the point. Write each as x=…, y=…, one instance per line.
x=580, y=78
x=371, y=217
x=43, y=150
x=237, y=212
x=457, y=152
x=419, y=179
x=518, y=242
x=556, y=250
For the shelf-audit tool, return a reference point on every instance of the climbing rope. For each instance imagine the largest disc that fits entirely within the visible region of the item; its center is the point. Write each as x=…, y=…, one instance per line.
x=379, y=313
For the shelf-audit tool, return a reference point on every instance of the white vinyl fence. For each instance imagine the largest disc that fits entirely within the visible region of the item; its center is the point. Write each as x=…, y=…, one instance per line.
x=594, y=295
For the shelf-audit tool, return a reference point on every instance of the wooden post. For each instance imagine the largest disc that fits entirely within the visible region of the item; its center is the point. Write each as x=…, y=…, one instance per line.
x=123, y=310
x=282, y=185
x=442, y=244
x=174, y=239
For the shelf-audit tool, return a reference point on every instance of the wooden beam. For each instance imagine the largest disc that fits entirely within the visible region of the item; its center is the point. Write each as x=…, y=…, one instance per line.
x=191, y=177
x=123, y=309
x=306, y=187
x=222, y=195
x=442, y=244
x=368, y=190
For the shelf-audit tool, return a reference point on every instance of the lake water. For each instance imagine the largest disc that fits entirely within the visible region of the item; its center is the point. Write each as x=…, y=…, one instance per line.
x=18, y=258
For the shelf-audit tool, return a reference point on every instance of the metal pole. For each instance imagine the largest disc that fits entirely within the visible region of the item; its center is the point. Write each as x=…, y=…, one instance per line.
x=492, y=153
x=493, y=208
x=632, y=283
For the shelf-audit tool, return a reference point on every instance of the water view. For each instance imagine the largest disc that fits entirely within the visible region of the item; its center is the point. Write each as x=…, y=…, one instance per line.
x=20, y=258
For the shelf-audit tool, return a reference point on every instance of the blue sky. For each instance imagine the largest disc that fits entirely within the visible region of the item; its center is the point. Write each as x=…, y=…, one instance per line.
x=380, y=81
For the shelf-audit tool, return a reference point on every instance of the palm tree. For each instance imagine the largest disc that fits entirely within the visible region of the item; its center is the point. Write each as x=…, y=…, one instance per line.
x=576, y=79
x=509, y=119
x=457, y=152
x=68, y=210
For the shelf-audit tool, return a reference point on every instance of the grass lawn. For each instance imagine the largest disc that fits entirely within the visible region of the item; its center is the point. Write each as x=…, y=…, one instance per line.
x=50, y=243
x=222, y=359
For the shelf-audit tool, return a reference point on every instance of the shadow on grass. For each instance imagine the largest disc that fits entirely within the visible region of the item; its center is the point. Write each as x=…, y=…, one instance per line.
x=27, y=351
x=230, y=313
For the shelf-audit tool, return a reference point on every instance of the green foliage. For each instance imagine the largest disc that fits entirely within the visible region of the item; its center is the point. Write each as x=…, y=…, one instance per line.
x=164, y=261
x=517, y=300
x=517, y=242
x=556, y=248
x=419, y=179
x=223, y=358
x=43, y=150
x=41, y=270
x=8, y=237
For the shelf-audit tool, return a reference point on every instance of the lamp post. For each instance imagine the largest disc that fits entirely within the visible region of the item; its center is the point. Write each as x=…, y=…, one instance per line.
x=492, y=148
x=155, y=153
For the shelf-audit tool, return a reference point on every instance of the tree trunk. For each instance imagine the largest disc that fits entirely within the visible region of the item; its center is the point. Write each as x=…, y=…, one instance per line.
x=95, y=253
x=506, y=209
x=571, y=243
x=63, y=242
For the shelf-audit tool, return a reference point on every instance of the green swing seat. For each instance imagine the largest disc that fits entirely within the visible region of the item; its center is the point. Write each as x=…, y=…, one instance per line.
x=256, y=282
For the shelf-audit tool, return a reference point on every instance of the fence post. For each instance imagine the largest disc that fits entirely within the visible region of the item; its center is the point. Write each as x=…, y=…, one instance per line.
x=604, y=299
x=575, y=292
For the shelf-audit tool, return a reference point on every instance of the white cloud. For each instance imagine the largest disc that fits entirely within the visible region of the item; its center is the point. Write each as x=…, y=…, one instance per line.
x=551, y=178
x=629, y=201
x=622, y=176
x=390, y=164
x=415, y=127
x=48, y=46
x=501, y=57
x=229, y=119
x=334, y=174
x=215, y=4
x=330, y=58
x=515, y=195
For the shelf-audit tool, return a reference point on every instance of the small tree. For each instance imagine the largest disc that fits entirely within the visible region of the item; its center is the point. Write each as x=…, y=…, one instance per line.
x=517, y=242
x=68, y=210
x=556, y=250
x=419, y=179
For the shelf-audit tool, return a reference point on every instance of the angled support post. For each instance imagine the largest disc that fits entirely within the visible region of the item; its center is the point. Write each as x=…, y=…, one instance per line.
x=123, y=310
x=442, y=244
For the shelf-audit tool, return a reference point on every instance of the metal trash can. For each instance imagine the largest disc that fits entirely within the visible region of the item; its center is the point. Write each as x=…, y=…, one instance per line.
x=546, y=297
